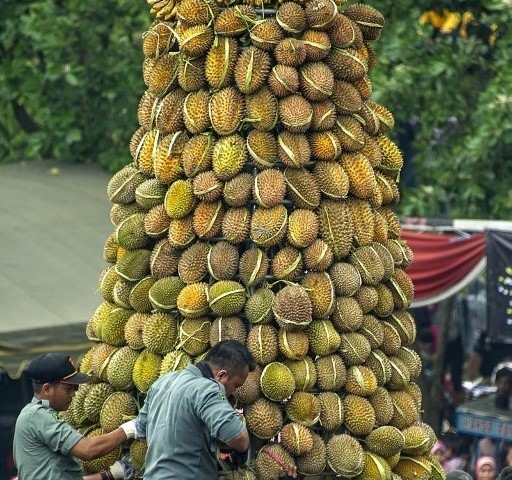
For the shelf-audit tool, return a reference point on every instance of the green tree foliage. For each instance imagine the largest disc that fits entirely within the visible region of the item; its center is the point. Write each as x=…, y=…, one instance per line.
x=455, y=86
x=70, y=79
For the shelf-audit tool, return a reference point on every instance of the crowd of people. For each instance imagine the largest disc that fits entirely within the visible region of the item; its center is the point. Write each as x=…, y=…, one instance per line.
x=471, y=358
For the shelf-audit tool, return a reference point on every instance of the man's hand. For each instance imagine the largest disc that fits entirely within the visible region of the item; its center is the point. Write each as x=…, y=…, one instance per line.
x=291, y=472
x=121, y=469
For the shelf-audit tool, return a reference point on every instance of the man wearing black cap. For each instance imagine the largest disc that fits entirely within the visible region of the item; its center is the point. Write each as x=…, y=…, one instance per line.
x=44, y=446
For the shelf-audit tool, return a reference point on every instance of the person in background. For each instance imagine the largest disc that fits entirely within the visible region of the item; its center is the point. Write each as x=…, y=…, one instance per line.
x=459, y=344
x=485, y=468
x=46, y=447
x=503, y=382
x=485, y=356
x=506, y=455
x=505, y=474
x=187, y=416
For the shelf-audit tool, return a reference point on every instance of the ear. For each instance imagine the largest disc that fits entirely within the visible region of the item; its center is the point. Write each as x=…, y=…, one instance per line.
x=221, y=375
x=46, y=388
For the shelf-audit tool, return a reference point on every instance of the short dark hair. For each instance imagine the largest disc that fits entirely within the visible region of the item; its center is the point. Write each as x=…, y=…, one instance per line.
x=503, y=373
x=230, y=355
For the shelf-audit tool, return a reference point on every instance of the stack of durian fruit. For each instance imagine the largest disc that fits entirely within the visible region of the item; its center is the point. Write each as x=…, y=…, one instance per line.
x=258, y=207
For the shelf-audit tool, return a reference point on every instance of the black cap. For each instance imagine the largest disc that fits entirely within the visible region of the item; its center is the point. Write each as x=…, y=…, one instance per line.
x=458, y=475
x=55, y=367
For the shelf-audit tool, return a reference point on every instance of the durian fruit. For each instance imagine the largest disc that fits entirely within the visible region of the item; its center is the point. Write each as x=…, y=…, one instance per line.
x=405, y=410
x=292, y=308
x=223, y=260
x=293, y=148
x=303, y=408
x=207, y=219
x=323, y=337
x=120, y=367
x=266, y=34
x=277, y=382
x=163, y=295
x=418, y=468
x=314, y=461
x=264, y=418
x=250, y=391
x=236, y=224
x=220, y=62
x=283, y=80
x=262, y=146
x=287, y=263
x=138, y=449
x=318, y=256
x=146, y=370
x=163, y=260
x=133, y=329
x=253, y=267
x=226, y=297
x=194, y=335
x=258, y=308
x=195, y=111
x=303, y=189
x=359, y=415
x=103, y=462
x=234, y=20
x=262, y=343
x=417, y=440
x=251, y=69
x=385, y=441
x=293, y=345
x=271, y=459
x=207, y=187
x=121, y=187
x=291, y=17
x=227, y=328
x=116, y=409
x=296, y=438
x=262, y=110
x=158, y=39
x=197, y=154
x=226, y=109
x=368, y=19
x=375, y=468
x=229, y=156
x=269, y=188
x=173, y=361
x=94, y=398
x=331, y=373
x=373, y=330
x=332, y=412
x=290, y=52
x=160, y=333
x=354, y=348
x=345, y=455
x=360, y=381
x=196, y=12
x=112, y=329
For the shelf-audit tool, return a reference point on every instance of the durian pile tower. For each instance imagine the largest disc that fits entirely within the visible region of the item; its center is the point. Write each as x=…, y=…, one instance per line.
x=258, y=206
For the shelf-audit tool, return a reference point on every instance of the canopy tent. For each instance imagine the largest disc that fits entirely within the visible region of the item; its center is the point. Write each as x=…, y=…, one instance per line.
x=54, y=222
x=443, y=263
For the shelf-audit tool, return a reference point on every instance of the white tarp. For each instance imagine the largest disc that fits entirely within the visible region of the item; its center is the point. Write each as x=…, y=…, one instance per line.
x=54, y=220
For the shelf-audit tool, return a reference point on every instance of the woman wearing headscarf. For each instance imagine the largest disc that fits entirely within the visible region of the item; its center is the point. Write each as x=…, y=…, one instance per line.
x=485, y=468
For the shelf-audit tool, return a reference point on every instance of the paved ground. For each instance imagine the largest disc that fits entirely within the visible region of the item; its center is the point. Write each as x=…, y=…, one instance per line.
x=54, y=220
